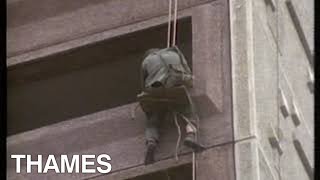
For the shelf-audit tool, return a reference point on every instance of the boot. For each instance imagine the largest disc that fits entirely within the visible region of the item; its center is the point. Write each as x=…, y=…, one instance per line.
x=190, y=141
x=149, y=158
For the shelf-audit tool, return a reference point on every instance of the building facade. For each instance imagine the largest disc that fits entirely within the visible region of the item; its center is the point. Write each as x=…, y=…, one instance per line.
x=73, y=76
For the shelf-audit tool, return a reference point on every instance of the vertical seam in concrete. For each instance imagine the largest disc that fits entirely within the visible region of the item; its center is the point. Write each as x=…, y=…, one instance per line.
x=228, y=6
x=232, y=91
x=251, y=77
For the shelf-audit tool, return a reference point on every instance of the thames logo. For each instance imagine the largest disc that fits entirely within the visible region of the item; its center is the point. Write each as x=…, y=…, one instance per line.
x=64, y=165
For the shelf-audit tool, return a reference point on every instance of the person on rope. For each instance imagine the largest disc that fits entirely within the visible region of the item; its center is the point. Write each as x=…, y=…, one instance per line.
x=166, y=68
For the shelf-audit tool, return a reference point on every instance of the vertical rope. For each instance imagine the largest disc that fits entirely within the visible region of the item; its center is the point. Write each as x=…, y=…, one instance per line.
x=193, y=153
x=193, y=165
x=194, y=162
x=179, y=137
x=133, y=111
x=168, y=177
x=175, y=23
x=169, y=23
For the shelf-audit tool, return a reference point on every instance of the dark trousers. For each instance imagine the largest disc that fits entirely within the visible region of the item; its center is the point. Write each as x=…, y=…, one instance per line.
x=157, y=115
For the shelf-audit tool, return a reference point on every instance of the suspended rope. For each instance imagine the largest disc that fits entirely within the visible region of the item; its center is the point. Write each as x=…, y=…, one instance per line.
x=174, y=37
x=179, y=134
x=175, y=23
x=169, y=23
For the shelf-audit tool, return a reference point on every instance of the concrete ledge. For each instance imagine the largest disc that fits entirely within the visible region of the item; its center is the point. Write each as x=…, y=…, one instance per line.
x=275, y=141
x=284, y=107
x=303, y=157
x=39, y=54
x=306, y=142
x=295, y=115
x=310, y=83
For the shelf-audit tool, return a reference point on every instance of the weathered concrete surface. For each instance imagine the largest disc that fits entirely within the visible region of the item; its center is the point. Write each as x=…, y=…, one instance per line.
x=72, y=21
x=208, y=48
x=42, y=53
x=294, y=68
x=268, y=56
x=246, y=160
x=305, y=10
x=216, y=163
x=265, y=62
x=113, y=132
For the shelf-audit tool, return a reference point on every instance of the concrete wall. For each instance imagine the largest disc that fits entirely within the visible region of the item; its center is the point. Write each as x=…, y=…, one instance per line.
x=271, y=48
x=38, y=31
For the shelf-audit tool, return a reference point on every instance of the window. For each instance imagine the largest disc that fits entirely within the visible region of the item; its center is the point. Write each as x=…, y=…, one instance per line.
x=84, y=80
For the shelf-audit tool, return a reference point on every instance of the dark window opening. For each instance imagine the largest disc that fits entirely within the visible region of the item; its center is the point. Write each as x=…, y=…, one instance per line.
x=84, y=80
x=176, y=173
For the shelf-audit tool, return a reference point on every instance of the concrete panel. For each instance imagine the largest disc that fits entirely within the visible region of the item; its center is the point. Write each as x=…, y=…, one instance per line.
x=39, y=54
x=289, y=163
x=216, y=163
x=23, y=12
x=207, y=36
x=247, y=160
x=266, y=85
x=82, y=22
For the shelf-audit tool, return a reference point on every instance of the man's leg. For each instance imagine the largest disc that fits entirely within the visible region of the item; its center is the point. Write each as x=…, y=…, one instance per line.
x=152, y=134
x=190, y=117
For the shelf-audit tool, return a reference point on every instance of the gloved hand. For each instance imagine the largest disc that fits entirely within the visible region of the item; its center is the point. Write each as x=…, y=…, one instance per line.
x=188, y=80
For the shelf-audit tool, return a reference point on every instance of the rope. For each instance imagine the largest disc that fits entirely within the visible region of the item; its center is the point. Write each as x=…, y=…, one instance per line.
x=175, y=23
x=133, y=112
x=188, y=121
x=168, y=177
x=179, y=137
x=193, y=153
x=196, y=134
x=169, y=23
x=193, y=165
